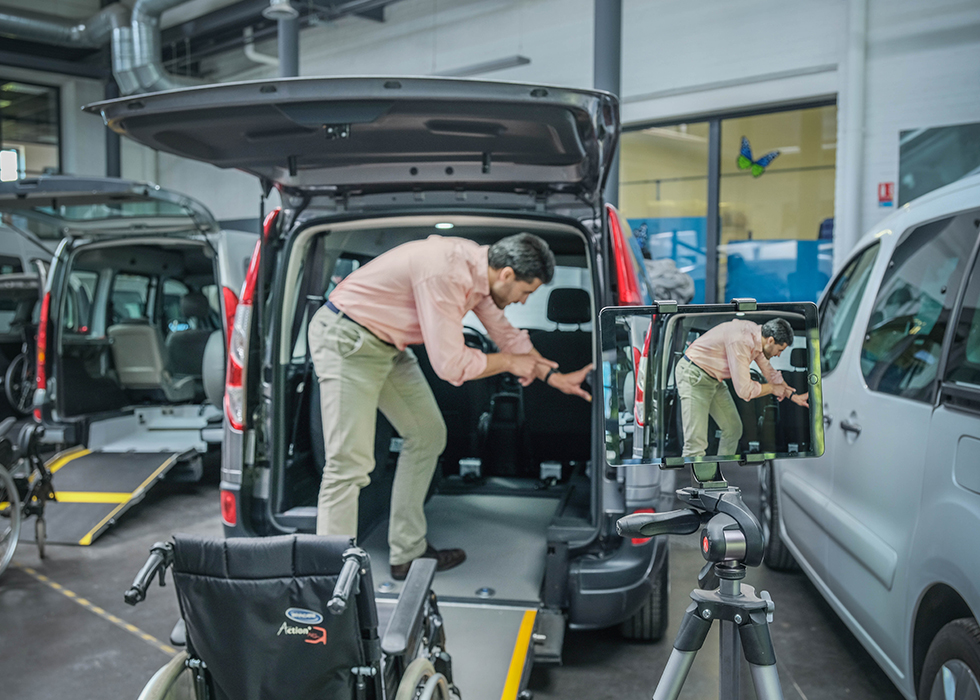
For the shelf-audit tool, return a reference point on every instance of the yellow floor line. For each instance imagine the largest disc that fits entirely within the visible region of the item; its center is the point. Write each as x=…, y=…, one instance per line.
x=518, y=660
x=95, y=609
x=142, y=487
x=63, y=458
x=93, y=497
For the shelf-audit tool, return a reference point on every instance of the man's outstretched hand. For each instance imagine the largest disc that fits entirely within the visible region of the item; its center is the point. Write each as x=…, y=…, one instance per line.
x=529, y=366
x=801, y=399
x=571, y=383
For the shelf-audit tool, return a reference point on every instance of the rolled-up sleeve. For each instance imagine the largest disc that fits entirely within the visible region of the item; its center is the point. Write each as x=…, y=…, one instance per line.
x=507, y=338
x=440, y=318
x=739, y=359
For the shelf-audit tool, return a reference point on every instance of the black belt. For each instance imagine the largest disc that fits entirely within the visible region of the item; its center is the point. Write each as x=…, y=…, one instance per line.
x=689, y=360
x=330, y=305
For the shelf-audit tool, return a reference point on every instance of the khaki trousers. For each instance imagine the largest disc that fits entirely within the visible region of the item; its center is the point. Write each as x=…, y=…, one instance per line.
x=360, y=374
x=701, y=396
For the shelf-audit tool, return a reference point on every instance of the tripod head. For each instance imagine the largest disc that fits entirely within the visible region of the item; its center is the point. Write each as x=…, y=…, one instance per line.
x=730, y=533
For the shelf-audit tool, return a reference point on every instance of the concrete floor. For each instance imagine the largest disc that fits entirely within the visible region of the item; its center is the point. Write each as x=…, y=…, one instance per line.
x=66, y=633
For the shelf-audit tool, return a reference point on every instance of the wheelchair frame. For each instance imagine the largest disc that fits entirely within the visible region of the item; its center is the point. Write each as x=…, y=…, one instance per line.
x=409, y=663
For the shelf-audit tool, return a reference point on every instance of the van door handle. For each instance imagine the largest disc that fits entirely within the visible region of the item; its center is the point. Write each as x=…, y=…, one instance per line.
x=849, y=427
x=828, y=420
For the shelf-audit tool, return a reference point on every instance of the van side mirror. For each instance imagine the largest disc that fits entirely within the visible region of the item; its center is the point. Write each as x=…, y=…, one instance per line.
x=674, y=390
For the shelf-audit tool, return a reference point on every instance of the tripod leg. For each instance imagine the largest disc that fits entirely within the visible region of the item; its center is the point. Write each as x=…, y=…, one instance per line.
x=730, y=660
x=690, y=638
x=759, y=652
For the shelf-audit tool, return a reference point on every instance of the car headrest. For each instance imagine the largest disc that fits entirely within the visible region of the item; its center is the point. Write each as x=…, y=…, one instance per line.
x=195, y=305
x=569, y=305
x=798, y=358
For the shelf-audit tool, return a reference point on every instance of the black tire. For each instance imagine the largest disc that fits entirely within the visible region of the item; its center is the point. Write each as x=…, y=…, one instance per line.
x=777, y=557
x=9, y=518
x=649, y=623
x=953, y=660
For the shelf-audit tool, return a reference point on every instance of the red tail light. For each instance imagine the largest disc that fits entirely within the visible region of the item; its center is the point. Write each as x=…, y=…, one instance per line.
x=239, y=332
x=231, y=304
x=42, y=349
x=229, y=508
x=637, y=541
x=627, y=283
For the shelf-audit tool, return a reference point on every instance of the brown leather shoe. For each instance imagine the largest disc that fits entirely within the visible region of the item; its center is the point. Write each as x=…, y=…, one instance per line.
x=445, y=559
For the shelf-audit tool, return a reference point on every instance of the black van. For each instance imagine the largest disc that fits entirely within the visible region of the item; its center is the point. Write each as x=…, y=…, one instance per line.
x=363, y=165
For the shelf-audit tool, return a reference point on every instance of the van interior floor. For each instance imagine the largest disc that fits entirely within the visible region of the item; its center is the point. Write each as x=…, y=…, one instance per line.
x=505, y=539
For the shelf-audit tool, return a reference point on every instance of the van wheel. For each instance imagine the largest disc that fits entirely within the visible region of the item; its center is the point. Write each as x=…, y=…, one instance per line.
x=649, y=623
x=952, y=666
x=778, y=557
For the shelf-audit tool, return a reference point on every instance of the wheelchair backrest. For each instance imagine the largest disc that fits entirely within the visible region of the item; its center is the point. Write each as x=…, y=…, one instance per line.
x=256, y=614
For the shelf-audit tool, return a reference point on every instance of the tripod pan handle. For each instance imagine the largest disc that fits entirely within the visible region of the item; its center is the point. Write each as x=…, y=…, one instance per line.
x=674, y=522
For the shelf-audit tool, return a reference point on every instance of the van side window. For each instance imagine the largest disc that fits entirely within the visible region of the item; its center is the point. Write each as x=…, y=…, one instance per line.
x=130, y=297
x=840, y=306
x=77, y=316
x=9, y=265
x=904, y=340
x=963, y=366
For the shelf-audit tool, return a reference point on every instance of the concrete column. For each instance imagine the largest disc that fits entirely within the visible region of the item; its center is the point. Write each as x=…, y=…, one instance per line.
x=113, y=164
x=607, y=67
x=288, y=48
x=850, y=191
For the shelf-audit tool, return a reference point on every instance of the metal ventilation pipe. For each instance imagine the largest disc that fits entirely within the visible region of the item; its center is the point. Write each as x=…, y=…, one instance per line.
x=147, y=53
x=90, y=34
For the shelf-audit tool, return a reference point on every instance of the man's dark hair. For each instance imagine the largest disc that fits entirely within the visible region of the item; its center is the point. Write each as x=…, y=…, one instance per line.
x=526, y=254
x=779, y=330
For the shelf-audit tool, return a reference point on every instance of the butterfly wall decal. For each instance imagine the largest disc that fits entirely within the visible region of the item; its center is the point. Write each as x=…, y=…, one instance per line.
x=745, y=161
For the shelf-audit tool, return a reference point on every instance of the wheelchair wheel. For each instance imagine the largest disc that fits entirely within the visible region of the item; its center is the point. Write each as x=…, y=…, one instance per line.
x=172, y=682
x=421, y=682
x=40, y=535
x=9, y=518
x=18, y=384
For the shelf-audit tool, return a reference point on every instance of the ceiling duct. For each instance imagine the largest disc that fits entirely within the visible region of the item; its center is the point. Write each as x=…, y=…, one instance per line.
x=93, y=33
x=147, y=52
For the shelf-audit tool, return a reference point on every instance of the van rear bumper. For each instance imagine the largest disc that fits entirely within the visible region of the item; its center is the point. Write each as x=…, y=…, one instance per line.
x=605, y=591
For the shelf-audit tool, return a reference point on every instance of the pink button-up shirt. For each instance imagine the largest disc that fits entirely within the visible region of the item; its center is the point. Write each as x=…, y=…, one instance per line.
x=419, y=292
x=735, y=344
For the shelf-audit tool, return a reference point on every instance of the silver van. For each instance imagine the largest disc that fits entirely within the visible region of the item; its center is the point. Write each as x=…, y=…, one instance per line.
x=362, y=165
x=885, y=524
x=132, y=328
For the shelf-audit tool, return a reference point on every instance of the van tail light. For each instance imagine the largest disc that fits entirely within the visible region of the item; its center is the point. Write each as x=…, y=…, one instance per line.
x=627, y=283
x=637, y=541
x=229, y=508
x=238, y=346
x=42, y=349
x=231, y=304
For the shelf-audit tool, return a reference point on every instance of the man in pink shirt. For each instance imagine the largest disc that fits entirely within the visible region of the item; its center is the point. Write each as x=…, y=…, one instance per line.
x=416, y=293
x=724, y=352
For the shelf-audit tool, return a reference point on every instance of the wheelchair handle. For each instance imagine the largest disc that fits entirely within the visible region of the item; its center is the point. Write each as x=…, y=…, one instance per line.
x=161, y=556
x=353, y=560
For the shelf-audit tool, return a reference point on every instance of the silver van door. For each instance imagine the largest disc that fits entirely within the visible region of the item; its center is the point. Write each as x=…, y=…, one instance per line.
x=384, y=134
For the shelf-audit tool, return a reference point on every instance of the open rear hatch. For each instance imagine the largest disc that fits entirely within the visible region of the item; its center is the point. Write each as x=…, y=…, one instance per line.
x=56, y=206
x=384, y=134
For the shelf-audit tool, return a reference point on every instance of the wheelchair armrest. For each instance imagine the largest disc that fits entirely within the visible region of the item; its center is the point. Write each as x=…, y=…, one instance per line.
x=406, y=621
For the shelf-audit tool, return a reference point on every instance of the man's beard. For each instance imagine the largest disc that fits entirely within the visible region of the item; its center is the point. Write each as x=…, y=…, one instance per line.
x=497, y=300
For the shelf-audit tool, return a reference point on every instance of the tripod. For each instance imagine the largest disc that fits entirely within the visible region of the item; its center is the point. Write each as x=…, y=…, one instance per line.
x=731, y=539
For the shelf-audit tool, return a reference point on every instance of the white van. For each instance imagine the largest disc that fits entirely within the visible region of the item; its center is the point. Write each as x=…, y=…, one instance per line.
x=131, y=336
x=885, y=524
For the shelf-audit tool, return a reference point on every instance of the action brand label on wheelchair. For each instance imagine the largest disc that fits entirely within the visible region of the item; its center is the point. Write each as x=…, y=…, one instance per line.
x=313, y=634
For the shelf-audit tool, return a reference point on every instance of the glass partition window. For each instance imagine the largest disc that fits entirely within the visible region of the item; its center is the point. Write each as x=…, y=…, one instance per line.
x=963, y=365
x=776, y=205
x=29, y=130
x=663, y=191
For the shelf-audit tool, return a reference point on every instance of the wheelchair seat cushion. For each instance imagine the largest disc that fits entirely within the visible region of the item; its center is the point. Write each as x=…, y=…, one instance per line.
x=256, y=614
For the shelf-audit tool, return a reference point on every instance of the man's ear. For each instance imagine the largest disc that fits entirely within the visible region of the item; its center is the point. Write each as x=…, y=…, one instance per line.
x=506, y=274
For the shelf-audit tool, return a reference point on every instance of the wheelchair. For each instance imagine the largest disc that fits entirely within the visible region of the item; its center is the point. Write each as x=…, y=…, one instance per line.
x=293, y=616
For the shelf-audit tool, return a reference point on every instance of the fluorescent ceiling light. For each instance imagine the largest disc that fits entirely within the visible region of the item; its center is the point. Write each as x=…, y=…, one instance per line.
x=444, y=225
x=674, y=134
x=486, y=67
